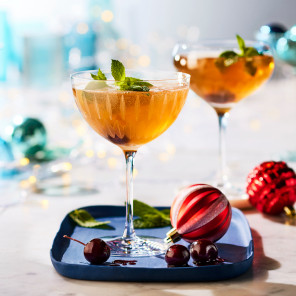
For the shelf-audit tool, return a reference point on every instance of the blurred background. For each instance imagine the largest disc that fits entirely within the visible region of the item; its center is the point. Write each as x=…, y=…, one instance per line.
x=42, y=42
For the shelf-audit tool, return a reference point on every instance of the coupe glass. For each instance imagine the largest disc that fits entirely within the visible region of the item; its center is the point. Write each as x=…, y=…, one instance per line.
x=223, y=85
x=130, y=119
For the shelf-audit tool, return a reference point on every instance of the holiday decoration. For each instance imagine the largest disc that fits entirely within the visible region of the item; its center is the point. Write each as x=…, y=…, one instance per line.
x=199, y=211
x=271, y=187
x=271, y=33
x=286, y=47
x=28, y=137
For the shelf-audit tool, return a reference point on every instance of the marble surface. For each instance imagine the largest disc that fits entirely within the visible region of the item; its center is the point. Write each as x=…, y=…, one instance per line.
x=262, y=131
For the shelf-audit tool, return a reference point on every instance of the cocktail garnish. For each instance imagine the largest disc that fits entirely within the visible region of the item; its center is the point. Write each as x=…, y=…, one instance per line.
x=84, y=219
x=100, y=76
x=229, y=57
x=124, y=83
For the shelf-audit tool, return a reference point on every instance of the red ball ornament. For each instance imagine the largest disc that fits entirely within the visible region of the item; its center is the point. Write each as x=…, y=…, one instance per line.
x=271, y=187
x=199, y=211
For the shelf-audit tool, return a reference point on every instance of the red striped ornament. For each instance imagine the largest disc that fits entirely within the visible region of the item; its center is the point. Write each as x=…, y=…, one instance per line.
x=199, y=211
x=271, y=187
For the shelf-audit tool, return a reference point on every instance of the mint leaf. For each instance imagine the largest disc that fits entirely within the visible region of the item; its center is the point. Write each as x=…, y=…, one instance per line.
x=134, y=84
x=229, y=57
x=141, y=209
x=134, y=87
x=251, y=52
x=241, y=44
x=117, y=70
x=99, y=76
x=250, y=68
x=137, y=81
x=151, y=221
x=84, y=219
x=228, y=54
x=150, y=217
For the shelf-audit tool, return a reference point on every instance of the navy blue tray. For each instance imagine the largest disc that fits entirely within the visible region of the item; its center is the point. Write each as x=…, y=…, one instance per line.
x=236, y=247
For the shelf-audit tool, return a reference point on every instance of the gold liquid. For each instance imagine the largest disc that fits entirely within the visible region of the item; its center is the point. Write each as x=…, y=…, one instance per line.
x=130, y=119
x=223, y=87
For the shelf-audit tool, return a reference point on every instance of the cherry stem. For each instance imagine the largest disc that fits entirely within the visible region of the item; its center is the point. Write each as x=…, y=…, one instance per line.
x=66, y=236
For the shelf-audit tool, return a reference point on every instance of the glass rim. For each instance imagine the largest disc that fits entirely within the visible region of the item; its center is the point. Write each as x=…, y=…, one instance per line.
x=220, y=42
x=179, y=75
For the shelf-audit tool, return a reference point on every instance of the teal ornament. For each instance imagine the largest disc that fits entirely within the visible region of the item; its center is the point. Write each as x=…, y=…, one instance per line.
x=28, y=137
x=286, y=47
x=271, y=33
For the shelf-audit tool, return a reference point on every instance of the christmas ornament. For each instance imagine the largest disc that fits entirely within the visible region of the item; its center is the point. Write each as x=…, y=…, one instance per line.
x=271, y=187
x=271, y=33
x=199, y=211
x=286, y=47
x=28, y=137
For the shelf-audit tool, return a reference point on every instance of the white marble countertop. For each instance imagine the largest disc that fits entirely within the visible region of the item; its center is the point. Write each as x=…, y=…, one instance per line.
x=263, y=131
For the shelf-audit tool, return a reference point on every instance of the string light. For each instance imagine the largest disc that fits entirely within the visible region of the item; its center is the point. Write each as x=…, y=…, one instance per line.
x=112, y=162
x=24, y=161
x=82, y=28
x=144, y=61
x=89, y=153
x=107, y=16
x=122, y=43
x=101, y=153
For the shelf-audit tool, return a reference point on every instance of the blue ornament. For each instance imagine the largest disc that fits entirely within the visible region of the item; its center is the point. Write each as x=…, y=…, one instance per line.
x=271, y=33
x=286, y=47
x=28, y=137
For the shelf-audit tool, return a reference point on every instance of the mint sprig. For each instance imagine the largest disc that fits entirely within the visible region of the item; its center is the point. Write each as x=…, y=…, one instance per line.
x=150, y=217
x=229, y=57
x=124, y=83
x=84, y=219
x=99, y=76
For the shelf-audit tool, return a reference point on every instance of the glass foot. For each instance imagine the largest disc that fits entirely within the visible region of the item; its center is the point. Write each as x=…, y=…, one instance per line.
x=140, y=246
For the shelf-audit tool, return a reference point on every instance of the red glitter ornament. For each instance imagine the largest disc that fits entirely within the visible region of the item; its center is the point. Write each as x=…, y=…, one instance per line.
x=199, y=211
x=271, y=187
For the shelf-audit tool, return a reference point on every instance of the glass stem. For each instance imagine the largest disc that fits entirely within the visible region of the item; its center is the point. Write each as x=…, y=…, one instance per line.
x=222, y=177
x=129, y=232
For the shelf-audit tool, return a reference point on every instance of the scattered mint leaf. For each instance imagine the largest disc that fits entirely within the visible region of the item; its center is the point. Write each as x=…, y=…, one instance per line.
x=99, y=76
x=151, y=221
x=166, y=212
x=150, y=217
x=84, y=219
x=117, y=70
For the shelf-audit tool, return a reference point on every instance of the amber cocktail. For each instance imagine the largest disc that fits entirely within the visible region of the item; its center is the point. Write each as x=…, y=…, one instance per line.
x=223, y=81
x=130, y=119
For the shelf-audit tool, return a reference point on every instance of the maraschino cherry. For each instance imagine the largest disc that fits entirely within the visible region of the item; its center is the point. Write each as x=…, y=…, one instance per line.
x=203, y=251
x=96, y=251
x=177, y=255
